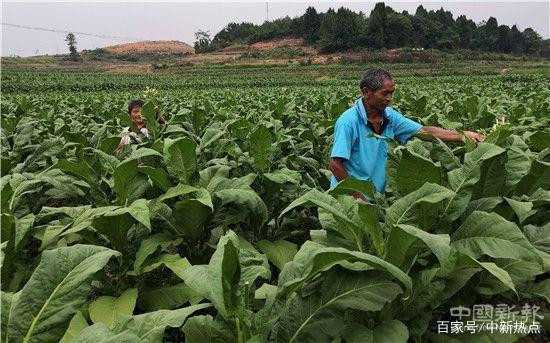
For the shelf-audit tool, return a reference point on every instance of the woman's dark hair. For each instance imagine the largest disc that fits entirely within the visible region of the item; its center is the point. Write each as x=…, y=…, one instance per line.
x=134, y=103
x=373, y=79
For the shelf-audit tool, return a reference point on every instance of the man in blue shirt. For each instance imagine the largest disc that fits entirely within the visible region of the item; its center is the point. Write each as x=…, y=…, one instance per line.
x=360, y=147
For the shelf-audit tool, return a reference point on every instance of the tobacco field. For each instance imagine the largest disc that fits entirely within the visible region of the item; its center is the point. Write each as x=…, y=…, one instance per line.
x=222, y=227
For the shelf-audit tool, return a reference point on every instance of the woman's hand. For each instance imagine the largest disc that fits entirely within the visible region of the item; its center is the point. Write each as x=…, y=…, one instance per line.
x=476, y=137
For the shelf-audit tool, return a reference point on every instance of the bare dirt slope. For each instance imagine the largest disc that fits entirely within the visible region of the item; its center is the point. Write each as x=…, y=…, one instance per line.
x=152, y=47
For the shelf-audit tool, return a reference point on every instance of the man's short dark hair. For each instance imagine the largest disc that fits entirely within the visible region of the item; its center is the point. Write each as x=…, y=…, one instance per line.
x=373, y=79
x=134, y=103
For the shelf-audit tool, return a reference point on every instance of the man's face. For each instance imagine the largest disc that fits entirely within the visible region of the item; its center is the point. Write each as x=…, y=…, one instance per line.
x=381, y=98
x=137, y=119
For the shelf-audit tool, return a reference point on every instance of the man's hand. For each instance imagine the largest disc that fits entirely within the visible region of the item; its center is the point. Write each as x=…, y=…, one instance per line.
x=360, y=197
x=476, y=137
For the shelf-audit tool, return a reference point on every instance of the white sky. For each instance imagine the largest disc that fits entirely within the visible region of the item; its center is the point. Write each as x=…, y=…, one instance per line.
x=179, y=20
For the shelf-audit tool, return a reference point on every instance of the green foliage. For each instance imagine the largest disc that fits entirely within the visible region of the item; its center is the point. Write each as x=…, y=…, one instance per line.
x=223, y=226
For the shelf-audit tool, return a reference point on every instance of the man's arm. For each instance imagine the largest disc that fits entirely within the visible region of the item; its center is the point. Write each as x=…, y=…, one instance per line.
x=336, y=166
x=428, y=132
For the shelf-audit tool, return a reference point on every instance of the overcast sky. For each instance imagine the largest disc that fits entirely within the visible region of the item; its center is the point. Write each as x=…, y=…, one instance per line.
x=127, y=21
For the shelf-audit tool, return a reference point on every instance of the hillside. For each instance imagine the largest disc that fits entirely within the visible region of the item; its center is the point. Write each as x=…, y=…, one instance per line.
x=162, y=47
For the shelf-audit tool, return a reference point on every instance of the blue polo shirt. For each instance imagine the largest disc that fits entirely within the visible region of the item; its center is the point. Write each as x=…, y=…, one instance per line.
x=366, y=153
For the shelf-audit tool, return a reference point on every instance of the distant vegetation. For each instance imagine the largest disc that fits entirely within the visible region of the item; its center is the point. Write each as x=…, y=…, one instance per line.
x=344, y=30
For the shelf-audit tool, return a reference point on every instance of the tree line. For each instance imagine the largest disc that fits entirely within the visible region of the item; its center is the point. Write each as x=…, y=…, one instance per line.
x=343, y=29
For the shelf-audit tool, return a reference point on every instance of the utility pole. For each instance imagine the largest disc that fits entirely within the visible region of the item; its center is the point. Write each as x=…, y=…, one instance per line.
x=266, y=11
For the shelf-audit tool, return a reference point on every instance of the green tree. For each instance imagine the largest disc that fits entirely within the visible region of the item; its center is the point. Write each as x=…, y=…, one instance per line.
x=503, y=39
x=71, y=43
x=465, y=29
x=377, y=26
x=311, y=22
x=340, y=30
x=399, y=30
x=533, y=41
x=203, y=42
x=517, y=41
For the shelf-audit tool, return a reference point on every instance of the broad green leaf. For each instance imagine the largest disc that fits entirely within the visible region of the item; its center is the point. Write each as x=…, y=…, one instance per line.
x=146, y=328
x=260, y=143
x=489, y=234
x=247, y=200
x=319, y=199
x=313, y=258
x=106, y=309
x=190, y=217
x=224, y=273
x=22, y=227
x=284, y=175
x=8, y=302
x=157, y=175
x=174, y=262
x=149, y=113
x=180, y=158
x=149, y=246
x=338, y=291
x=199, y=329
x=254, y=265
x=279, y=252
x=419, y=207
x=58, y=286
x=497, y=272
x=169, y=298
x=542, y=289
x=517, y=164
x=198, y=279
x=402, y=239
x=351, y=184
x=522, y=209
x=537, y=177
x=392, y=331
x=414, y=171
x=77, y=324
x=462, y=180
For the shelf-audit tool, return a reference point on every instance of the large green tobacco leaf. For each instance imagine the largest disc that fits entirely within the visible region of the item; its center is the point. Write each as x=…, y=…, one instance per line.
x=313, y=258
x=260, y=142
x=537, y=177
x=149, y=112
x=174, y=262
x=199, y=329
x=414, y=171
x=168, y=298
x=115, y=223
x=77, y=324
x=106, y=309
x=180, y=158
x=254, y=265
x=489, y=234
x=129, y=183
x=150, y=245
x=401, y=245
x=245, y=199
x=146, y=328
x=343, y=216
x=284, y=175
x=8, y=302
x=463, y=179
x=224, y=272
x=190, y=217
x=392, y=331
x=279, y=252
x=302, y=315
x=58, y=286
x=419, y=207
